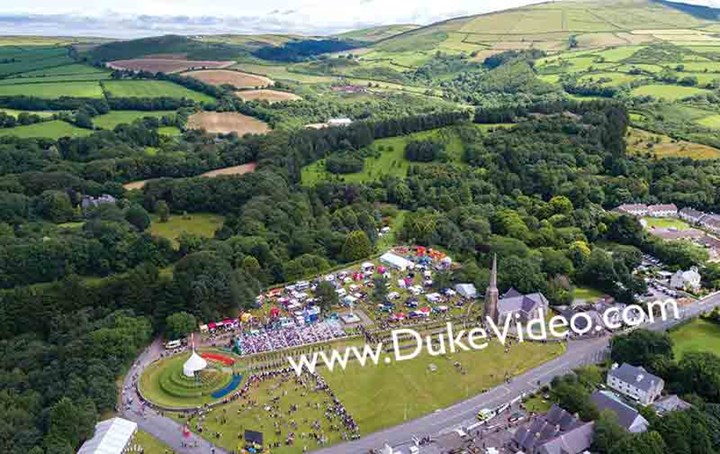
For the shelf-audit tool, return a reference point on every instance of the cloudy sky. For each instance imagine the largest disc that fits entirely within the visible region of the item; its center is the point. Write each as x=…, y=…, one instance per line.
x=132, y=17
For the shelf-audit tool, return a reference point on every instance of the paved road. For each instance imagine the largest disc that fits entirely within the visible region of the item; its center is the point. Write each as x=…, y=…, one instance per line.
x=161, y=427
x=462, y=414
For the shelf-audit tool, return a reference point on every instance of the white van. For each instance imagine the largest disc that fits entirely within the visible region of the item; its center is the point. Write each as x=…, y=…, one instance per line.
x=169, y=345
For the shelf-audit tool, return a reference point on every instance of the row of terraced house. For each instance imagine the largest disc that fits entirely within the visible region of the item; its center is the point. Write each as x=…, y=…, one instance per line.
x=707, y=221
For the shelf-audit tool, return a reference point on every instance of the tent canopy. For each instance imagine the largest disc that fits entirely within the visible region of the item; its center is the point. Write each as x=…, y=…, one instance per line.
x=194, y=364
x=111, y=437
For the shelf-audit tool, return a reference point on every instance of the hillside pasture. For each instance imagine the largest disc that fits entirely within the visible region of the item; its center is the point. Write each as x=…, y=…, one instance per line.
x=668, y=92
x=271, y=96
x=151, y=89
x=166, y=65
x=199, y=224
x=53, y=129
x=116, y=117
x=226, y=123
x=53, y=90
x=642, y=142
x=712, y=121
x=16, y=60
x=237, y=79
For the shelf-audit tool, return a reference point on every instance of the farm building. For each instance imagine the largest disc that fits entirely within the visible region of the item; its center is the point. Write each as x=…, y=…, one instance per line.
x=112, y=436
x=339, y=122
x=466, y=290
x=395, y=261
x=691, y=215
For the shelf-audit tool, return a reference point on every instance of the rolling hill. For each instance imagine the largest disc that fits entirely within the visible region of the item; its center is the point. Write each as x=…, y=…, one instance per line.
x=558, y=26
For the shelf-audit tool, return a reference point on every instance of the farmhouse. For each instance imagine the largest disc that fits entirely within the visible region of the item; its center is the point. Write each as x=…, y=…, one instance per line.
x=638, y=209
x=635, y=383
x=627, y=416
x=112, y=436
x=662, y=211
x=686, y=280
x=556, y=432
x=528, y=306
x=395, y=261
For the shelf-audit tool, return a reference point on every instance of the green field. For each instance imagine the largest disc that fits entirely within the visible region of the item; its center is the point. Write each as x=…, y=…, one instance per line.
x=24, y=59
x=200, y=224
x=587, y=293
x=666, y=223
x=116, y=117
x=388, y=394
x=53, y=90
x=40, y=113
x=151, y=89
x=170, y=131
x=391, y=160
x=696, y=336
x=669, y=92
x=53, y=129
x=65, y=70
x=712, y=121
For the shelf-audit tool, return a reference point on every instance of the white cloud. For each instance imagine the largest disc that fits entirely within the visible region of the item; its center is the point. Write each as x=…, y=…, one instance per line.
x=127, y=18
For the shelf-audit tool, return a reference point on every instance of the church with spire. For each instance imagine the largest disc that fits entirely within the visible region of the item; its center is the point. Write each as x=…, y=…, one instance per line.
x=492, y=295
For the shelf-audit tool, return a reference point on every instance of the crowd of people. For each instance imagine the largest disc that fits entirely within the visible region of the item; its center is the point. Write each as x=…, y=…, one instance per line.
x=265, y=340
x=285, y=423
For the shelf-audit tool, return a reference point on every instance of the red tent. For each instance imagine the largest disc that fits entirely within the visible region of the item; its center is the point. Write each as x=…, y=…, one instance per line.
x=425, y=310
x=400, y=316
x=274, y=312
x=212, y=325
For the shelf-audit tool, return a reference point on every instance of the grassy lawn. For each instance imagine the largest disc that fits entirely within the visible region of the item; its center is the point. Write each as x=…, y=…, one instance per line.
x=151, y=89
x=170, y=131
x=669, y=92
x=388, y=394
x=712, y=121
x=587, y=294
x=537, y=404
x=150, y=444
x=201, y=224
x=116, y=117
x=240, y=416
x=696, y=336
x=391, y=160
x=666, y=223
x=53, y=90
x=53, y=129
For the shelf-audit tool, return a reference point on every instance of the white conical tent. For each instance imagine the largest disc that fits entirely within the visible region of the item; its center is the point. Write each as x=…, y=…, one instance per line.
x=194, y=364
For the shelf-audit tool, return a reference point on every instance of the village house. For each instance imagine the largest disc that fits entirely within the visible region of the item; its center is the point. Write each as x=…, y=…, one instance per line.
x=637, y=209
x=691, y=215
x=711, y=222
x=555, y=432
x=528, y=306
x=628, y=417
x=670, y=403
x=662, y=211
x=90, y=202
x=686, y=280
x=635, y=383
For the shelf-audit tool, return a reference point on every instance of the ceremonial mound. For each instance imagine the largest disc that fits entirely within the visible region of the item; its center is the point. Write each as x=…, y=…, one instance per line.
x=270, y=96
x=166, y=65
x=166, y=384
x=227, y=122
x=228, y=77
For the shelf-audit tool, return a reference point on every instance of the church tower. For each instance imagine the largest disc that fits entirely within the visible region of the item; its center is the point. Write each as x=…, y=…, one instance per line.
x=491, y=294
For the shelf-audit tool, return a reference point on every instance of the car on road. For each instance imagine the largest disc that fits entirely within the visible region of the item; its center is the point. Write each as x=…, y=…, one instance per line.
x=516, y=416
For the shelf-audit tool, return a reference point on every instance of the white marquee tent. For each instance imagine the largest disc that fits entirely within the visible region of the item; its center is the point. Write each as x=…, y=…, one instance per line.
x=112, y=436
x=194, y=364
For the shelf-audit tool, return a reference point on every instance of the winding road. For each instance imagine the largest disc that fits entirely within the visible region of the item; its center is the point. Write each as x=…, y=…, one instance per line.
x=462, y=414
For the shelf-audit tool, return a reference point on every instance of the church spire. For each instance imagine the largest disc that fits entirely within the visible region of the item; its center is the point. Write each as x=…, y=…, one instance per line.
x=491, y=294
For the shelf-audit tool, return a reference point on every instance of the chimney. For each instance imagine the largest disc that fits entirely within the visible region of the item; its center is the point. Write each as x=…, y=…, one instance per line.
x=640, y=378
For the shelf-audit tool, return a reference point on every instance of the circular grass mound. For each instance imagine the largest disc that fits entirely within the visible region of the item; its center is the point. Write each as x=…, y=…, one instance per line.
x=163, y=383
